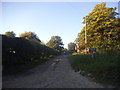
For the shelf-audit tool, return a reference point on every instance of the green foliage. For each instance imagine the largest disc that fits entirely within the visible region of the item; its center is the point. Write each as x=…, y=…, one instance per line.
x=102, y=27
x=19, y=53
x=10, y=34
x=56, y=43
x=42, y=43
x=71, y=46
x=104, y=68
x=30, y=36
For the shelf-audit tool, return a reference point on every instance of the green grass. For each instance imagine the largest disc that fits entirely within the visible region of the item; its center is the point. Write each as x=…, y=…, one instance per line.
x=104, y=68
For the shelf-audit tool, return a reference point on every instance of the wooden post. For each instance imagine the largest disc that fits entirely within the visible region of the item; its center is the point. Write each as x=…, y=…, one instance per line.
x=85, y=34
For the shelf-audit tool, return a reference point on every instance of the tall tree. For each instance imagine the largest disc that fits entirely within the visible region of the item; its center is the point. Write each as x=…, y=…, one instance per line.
x=30, y=36
x=10, y=34
x=71, y=46
x=102, y=27
x=56, y=43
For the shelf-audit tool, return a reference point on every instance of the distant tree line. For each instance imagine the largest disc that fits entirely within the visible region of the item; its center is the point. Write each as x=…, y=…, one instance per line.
x=18, y=52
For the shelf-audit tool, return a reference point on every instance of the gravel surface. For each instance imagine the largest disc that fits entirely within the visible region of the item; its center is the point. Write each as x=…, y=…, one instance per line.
x=55, y=73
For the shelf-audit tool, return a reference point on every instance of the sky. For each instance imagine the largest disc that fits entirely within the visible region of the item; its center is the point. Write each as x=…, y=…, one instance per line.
x=47, y=19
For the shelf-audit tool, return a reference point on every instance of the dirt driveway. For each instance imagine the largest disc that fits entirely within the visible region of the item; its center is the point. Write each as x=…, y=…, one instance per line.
x=55, y=73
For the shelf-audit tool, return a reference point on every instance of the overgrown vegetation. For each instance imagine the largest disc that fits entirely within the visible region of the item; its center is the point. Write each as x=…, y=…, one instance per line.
x=104, y=68
x=19, y=54
x=102, y=33
x=102, y=29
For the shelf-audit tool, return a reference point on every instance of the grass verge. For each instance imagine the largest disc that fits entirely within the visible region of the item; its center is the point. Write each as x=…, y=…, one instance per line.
x=103, y=68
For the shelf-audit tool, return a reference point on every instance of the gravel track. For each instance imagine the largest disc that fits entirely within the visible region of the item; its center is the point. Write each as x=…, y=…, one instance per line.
x=55, y=73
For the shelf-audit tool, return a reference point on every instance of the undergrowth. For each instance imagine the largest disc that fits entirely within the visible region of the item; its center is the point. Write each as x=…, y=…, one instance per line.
x=104, y=68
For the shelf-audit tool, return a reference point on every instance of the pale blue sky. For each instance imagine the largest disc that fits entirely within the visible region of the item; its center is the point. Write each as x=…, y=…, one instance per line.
x=47, y=19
